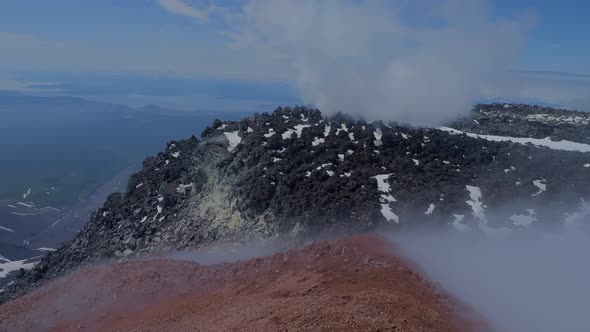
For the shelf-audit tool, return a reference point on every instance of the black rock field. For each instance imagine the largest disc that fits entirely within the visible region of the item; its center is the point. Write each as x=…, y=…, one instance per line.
x=295, y=174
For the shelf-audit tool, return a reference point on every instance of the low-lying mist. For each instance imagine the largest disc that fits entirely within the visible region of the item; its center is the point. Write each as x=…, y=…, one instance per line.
x=529, y=282
x=227, y=253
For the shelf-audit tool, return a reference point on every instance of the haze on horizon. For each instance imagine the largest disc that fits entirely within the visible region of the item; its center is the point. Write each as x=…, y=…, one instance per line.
x=424, y=62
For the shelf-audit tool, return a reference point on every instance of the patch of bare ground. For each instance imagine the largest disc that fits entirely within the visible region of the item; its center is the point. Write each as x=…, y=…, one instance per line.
x=353, y=283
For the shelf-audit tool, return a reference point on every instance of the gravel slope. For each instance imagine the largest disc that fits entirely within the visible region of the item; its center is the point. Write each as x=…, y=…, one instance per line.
x=347, y=284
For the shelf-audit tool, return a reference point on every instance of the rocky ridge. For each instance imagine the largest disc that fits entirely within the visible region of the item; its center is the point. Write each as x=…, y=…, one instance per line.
x=295, y=174
x=521, y=120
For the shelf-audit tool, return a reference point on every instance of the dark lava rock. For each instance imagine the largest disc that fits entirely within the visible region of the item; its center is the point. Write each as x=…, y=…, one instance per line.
x=295, y=174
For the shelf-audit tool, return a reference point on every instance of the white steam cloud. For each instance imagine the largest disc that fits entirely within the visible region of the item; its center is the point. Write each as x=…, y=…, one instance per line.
x=537, y=282
x=421, y=62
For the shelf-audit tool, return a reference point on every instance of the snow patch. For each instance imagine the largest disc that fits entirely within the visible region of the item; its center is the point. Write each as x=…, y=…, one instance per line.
x=270, y=133
x=478, y=213
x=545, y=142
x=388, y=213
x=540, y=184
x=378, y=134
x=10, y=266
x=382, y=184
x=430, y=209
x=298, y=129
x=234, y=139
x=317, y=141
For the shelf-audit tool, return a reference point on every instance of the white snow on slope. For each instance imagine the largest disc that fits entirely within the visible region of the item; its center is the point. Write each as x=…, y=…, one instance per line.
x=234, y=139
x=541, y=185
x=342, y=128
x=382, y=184
x=386, y=198
x=548, y=118
x=416, y=161
x=8, y=266
x=388, y=213
x=270, y=133
x=378, y=134
x=297, y=130
x=546, y=142
x=475, y=203
x=430, y=209
x=327, y=130
x=317, y=141
x=478, y=209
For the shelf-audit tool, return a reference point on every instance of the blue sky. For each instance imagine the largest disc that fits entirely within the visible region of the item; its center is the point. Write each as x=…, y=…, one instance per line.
x=182, y=54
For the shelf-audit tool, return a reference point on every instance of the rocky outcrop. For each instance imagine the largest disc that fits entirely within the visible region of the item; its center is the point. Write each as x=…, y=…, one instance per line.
x=521, y=120
x=295, y=174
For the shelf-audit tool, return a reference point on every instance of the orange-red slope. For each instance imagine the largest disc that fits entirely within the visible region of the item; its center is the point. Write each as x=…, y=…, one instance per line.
x=345, y=284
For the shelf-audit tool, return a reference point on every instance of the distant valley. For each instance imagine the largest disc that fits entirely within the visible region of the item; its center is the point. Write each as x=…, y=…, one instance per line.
x=61, y=157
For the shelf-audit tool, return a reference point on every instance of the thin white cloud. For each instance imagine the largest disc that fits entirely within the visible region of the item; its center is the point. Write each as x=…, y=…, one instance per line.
x=365, y=58
x=180, y=7
x=24, y=52
x=361, y=57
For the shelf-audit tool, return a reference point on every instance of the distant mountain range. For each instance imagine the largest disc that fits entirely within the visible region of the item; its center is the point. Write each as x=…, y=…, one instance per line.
x=295, y=174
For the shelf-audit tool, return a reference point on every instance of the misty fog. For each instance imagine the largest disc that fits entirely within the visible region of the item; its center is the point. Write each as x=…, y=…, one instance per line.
x=530, y=282
x=367, y=58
